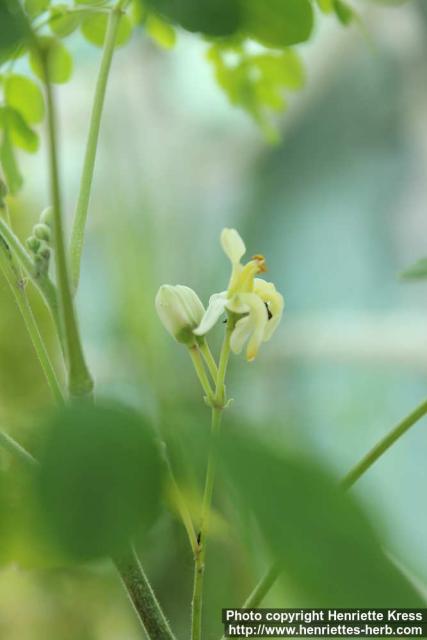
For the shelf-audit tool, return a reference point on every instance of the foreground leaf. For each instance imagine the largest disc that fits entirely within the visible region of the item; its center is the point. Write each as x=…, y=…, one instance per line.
x=100, y=479
x=60, y=62
x=328, y=549
x=279, y=23
x=211, y=17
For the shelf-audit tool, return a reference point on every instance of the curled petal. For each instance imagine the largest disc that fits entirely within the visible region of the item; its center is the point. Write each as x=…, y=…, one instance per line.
x=268, y=294
x=252, y=326
x=233, y=245
x=216, y=307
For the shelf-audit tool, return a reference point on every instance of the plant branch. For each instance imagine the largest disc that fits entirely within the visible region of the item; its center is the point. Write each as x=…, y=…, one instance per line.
x=80, y=216
x=142, y=597
x=199, y=559
x=13, y=447
x=80, y=383
x=346, y=483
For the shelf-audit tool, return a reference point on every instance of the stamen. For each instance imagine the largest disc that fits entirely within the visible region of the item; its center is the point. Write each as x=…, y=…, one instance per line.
x=261, y=263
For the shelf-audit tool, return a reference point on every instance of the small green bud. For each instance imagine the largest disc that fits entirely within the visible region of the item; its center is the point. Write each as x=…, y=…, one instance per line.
x=42, y=232
x=46, y=216
x=44, y=253
x=33, y=244
x=180, y=311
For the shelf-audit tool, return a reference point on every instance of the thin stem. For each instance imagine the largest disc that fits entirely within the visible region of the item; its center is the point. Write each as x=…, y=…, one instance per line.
x=80, y=382
x=201, y=373
x=209, y=359
x=16, y=284
x=17, y=247
x=80, y=217
x=142, y=597
x=13, y=447
x=383, y=445
x=199, y=560
x=346, y=483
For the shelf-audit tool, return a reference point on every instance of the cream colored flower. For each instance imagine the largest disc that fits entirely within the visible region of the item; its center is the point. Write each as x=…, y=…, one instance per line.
x=180, y=311
x=254, y=301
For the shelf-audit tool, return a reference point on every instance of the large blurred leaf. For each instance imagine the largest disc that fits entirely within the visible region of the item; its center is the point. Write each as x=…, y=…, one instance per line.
x=212, y=17
x=14, y=27
x=100, y=479
x=326, y=544
x=21, y=135
x=278, y=23
x=8, y=160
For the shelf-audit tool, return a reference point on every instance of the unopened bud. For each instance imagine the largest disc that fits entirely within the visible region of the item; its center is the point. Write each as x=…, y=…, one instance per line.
x=180, y=311
x=33, y=244
x=42, y=232
x=46, y=216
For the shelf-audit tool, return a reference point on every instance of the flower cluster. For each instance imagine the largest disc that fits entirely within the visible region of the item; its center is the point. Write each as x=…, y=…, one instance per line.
x=254, y=305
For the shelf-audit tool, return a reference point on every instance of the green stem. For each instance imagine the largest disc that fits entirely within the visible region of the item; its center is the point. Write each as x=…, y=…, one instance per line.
x=201, y=373
x=142, y=597
x=17, y=286
x=209, y=359
x=199, y=560
x=80, y=217
x=80, y=383
x=383, y=445
x=346, y=483
x=13, y=447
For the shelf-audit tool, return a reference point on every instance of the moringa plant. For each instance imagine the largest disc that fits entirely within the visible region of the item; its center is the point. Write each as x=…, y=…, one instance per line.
x=99, y=480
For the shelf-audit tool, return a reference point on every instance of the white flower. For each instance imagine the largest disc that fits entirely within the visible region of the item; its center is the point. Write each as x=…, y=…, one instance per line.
x=180, y=311
x=254, y=301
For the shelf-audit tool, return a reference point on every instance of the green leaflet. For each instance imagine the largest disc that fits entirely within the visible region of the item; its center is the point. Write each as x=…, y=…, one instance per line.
x=278, y=23
x=62, y=21
x=14, y=27
x=60, y=62
x=24, y=95
x=257, y=82
x=94, y=29
x=418, y=271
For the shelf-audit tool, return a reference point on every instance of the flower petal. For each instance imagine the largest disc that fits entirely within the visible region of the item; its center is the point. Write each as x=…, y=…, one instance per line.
x=233, y=245
x=254, y=325
x=216, y=308
x=241, y=333
x=268, y=293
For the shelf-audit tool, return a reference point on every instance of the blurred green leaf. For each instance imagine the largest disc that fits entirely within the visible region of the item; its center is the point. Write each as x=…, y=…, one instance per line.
x=21, y=135
x=344, y=12
x=211, y=17
x=94, y=29
x=160, y=31
x=60, y=62
x=14, y=27
x=100, y=478
x=35, y=7
x=257, y=82
x=325, y=5
x=24, y=95
x=327, y=546
x=278, y=23
x=418, y=271
x=8, y=162
x=64, y=22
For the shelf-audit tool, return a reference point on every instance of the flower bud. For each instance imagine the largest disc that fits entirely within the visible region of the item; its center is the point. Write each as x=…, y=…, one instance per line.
x=42, y=232
x=33, y=244
x=180, y=311
x=46, y=216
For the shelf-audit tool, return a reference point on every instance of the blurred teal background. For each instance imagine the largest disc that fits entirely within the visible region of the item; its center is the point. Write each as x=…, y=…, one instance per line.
x=338, y=208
